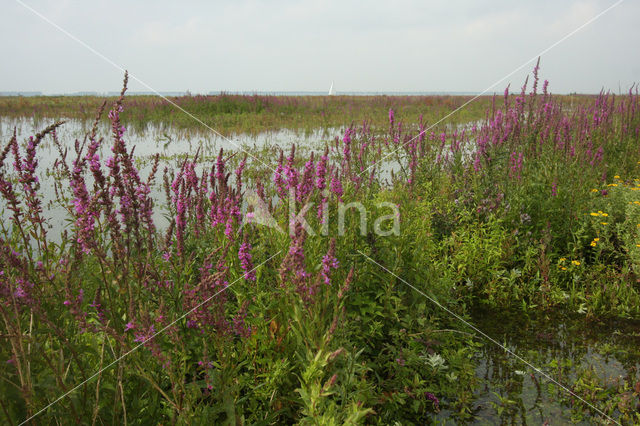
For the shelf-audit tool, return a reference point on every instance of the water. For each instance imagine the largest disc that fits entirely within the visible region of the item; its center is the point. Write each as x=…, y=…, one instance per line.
x=567, y=348
x=172, y=145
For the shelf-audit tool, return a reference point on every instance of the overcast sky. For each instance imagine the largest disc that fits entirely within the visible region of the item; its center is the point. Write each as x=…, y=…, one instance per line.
x=202, y=46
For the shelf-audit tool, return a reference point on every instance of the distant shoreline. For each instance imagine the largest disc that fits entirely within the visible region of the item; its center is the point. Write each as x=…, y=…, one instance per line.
x=251, y=93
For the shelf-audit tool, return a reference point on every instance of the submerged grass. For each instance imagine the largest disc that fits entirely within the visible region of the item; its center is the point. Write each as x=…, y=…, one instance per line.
x=233, y=114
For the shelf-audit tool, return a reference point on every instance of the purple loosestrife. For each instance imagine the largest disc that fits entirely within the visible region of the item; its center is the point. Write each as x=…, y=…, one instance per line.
x=321, y=181
x=291, y=173
x=535, y=78
x=239, y=326
x=293, y=267
x=336, y=187
x=433, y=399
x=506, y=96
x=244, y=254
x=220, y=165
x=306, y=184
x=515, y=165
x=238, y=172
x=181, y=210
x=26, y=170
x=278, y=179
x=329, y=262
x=346, y=151
x=84, y=212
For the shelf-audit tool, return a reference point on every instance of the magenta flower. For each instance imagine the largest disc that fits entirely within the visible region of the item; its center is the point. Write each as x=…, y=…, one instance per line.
x=329, y=262
x=336, y=187
x=244, y=254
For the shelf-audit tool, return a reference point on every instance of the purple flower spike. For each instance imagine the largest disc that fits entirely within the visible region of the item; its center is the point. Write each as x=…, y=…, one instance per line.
x=244, y=254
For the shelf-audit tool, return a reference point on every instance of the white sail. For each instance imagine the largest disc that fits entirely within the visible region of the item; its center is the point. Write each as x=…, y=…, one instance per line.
x=331, y=89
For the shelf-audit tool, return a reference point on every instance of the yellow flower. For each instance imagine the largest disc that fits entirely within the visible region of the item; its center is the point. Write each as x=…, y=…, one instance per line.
x=636, y=202
x=563, y=268
x=616, y=177
x=637, y=245
x=575, y=262
x=562, y=259
x=613, y=184
x=594, y=190
x=596, y=239
x=593, y=244
x=604, y=214
x=594, y=214
x=604, y=223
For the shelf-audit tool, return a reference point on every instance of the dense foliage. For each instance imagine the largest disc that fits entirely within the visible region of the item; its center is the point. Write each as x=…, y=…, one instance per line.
x=228, y=318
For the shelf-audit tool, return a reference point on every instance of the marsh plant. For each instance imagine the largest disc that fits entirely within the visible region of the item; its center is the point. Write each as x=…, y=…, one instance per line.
x=255, y=304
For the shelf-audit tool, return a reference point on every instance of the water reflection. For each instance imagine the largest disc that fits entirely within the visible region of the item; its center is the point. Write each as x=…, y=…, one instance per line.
x=574, y=352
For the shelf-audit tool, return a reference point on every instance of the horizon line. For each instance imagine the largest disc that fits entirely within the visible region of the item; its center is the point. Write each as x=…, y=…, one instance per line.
x=35, y=93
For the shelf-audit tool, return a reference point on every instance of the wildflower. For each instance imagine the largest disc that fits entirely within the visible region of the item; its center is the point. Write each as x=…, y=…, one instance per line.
x=562, y=259
x=613, y=184
x=594, y=190
x=432, y=398
x=128, y=326
x=596, y=239
x=306, y=183
x=321, y=170
x=616, y=177
x=575, y=262
x=329, y=262
x=278, y=179
x=604, y=214
x=336, y=187
x=593, y=244
x=564, y=268
x=604, y=223
x=594, y=214
x=244, y=254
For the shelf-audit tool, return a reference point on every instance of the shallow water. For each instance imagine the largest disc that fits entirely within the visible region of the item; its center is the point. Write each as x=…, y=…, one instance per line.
x=566, y=347
x=171, y=144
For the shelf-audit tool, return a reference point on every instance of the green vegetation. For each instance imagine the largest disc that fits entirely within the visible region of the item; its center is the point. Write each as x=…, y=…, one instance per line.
x=228, y=318
x=231, y=114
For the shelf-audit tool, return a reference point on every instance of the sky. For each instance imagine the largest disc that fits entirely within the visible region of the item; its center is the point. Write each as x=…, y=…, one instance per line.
x=281, y=45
